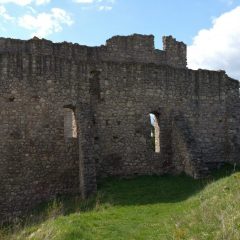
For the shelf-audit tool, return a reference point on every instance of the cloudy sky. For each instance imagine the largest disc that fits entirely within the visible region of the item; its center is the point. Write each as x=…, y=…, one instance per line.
x=211, y=28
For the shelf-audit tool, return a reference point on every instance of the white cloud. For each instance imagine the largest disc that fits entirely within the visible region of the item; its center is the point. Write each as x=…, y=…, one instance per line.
x=18, y=2
x=84, y=1
x=31, y=9
x=40, y=2
x=105, y=8
x=44, y=24
x=4, y=14
x=218, y=47
x=25, y=2
x=101, y=5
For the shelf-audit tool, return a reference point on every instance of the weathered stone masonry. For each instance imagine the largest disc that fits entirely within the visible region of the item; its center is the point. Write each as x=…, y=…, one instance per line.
x=109, y=91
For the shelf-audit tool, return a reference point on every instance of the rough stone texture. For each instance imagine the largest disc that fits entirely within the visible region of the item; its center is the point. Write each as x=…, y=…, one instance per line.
x=109, y=91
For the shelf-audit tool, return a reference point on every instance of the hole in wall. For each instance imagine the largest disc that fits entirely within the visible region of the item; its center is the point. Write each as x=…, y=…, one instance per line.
x=94, y=121
x=137, y=132
x=155, y=132
x=11, y=99
x=35, y=97
x=97, y=160
x=70, y=123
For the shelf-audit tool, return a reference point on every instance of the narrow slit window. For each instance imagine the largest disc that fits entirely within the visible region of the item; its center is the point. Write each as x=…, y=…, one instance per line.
x=70, y=124
x=155, y=132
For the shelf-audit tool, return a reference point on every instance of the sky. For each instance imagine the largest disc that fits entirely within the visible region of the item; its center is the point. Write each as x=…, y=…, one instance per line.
x=210, y=28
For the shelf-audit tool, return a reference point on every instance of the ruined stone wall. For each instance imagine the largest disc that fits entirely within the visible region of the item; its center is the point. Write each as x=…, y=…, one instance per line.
x=37, y=162
x=135, y=48
x=176, y=52
x=191, y=106
x=110, y=91
x=232, y=120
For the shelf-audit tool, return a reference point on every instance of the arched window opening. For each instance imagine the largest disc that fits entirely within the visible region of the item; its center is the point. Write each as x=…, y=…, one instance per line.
x=155, y=132
x=70, y=124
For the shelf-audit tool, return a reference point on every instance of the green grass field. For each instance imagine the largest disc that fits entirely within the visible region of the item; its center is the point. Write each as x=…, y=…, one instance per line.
x=143, y=208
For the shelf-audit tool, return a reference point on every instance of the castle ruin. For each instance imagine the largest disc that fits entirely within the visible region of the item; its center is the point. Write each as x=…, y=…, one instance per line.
x=72, y=114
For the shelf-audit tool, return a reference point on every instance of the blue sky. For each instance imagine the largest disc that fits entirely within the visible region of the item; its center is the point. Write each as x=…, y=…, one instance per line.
x=91, y=22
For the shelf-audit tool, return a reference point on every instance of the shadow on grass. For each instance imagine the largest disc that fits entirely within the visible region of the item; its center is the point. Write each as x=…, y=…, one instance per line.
x=157, y=189
x=139, y=190
x=122, y=192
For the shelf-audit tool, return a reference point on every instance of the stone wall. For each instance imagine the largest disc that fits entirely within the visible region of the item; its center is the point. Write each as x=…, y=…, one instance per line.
x=37, y=162
x=190, y=105
x=176, y=52
x=135, y=48
x=110, y=92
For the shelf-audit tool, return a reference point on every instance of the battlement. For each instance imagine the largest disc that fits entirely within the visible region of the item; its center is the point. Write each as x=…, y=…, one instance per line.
x=137, y=42
x=133, y=48
x=176, y=52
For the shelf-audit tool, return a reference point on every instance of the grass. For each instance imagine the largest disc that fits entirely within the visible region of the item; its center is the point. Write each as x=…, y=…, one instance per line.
x=142, y=208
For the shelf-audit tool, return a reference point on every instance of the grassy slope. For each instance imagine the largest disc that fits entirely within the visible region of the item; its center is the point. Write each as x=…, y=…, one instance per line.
x=143, y=208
